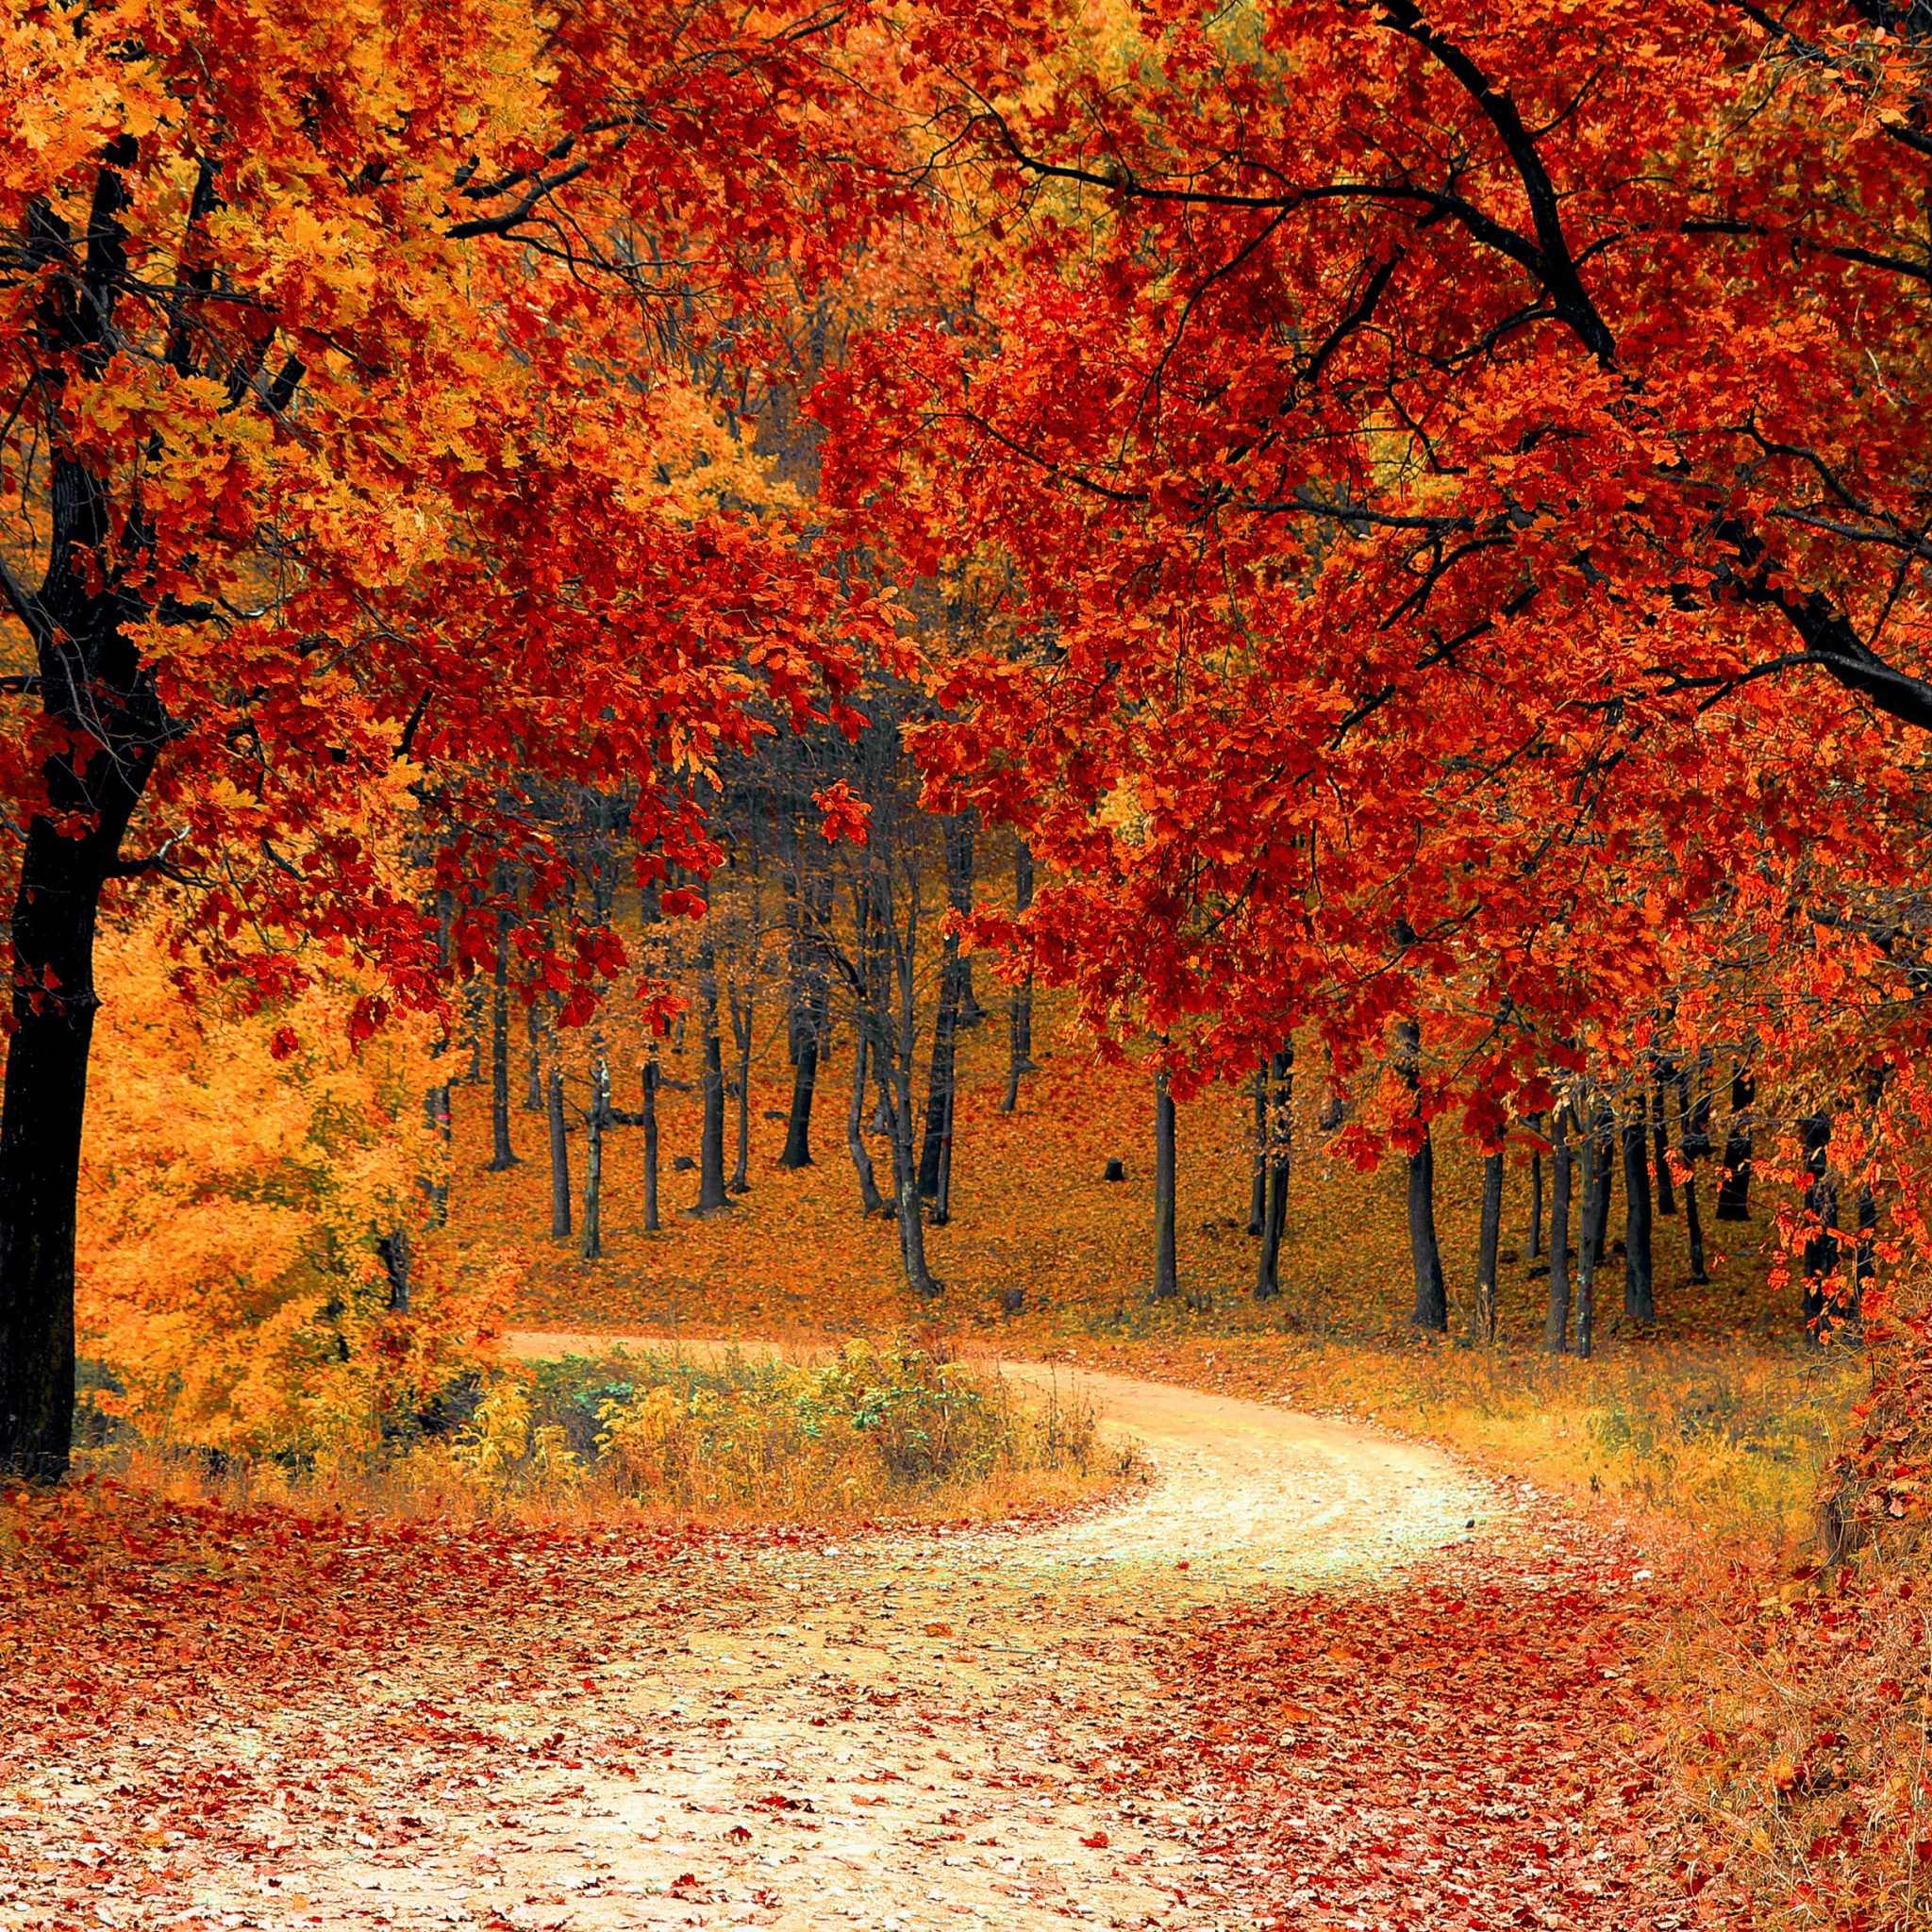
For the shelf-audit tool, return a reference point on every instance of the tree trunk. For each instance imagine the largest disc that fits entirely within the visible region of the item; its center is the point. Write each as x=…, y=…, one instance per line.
x=1278, y=1125
x=1660, y=1135
x=649, y=1110
x=1536, y=1193
x=1821, y=1242
x=1557, y=1320
x=919, y=1276
x=1425, y=1255
x=870, y=1203
x=1639, y=1295
x=810, y=908
x=711, y=1195
x=940, y=1081
x=1258, y=1186
x=1693, y=1142
x=1598, y=1157
x=559, y=1157
x=959, y=838
x=741, y=1033
x=1734, y=1187
x=1487, y=1245
x=504, y=1155
x=1166, y=1268
x=533, y=1084
x=1020, y=1034
x=591, y=1246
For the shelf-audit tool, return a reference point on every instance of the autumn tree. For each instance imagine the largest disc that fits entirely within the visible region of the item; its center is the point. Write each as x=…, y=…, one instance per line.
x=332, y=449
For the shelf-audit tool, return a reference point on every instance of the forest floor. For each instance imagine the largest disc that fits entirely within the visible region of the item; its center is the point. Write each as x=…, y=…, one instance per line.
x=1283, y=1684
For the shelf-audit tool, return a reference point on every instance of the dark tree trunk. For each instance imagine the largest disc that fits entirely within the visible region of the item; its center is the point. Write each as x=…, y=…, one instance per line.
x=1486, y=1243
x=1020, y=1034
x=1536, y=1193
x=1660, y=1134
x=741, y=1038
x=1639, y=1295
x=1167, y=1281
x=1692, y=1143
x=1734, y=1187
x=811, y=907
x=711, y=1195
x=1424, y=1253
x=1277, y=1129
x=869, y=1200
x=1257, y=1188
x=1821, y=1242
x=559, y=1157
x=393, y=1250
x=960, y=841
x=649, y=1110
x=1599, y=1157
x=940, y=1081
x=591, y=1246
x=504, y=1155
x=533, y=1084
x=101, y=705
x=1557, y=1320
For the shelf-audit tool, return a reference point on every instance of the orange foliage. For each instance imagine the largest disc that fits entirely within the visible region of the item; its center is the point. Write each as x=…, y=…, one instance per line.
x=239, y=1169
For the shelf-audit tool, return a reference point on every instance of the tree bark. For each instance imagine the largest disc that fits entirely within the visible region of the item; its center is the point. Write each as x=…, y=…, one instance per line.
x=1486, y=1243
x=1166, y=1266
x=810, y=908
x=1277, y=1124
x=871, y=1202
x=504, y=1155
x=1640, y=1291
x=1557, y=1319
x=940, y=1081
x=959, y=843
x=1020, y=1018
x=1536, y=1193
x=1425, y=1255
x=560, y=1157
x=1660, y=1135
x=649, y=1110
x=1694, y=1140
x=1258, y=1186
x=592, y=1245
x=533, y=1086
x=1734, y=1187
x=711, y=1195
x=1598, y=1157
x=741, y=1037
x=1820, y=1243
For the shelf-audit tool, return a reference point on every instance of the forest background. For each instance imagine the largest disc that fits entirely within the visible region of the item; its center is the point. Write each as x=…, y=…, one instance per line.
x=682, y=677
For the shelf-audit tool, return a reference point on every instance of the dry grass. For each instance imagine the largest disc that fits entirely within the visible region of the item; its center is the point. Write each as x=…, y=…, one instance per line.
x=869, y=1433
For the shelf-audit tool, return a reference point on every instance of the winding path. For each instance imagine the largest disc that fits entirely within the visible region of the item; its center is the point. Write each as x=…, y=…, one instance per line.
x=909, y=1731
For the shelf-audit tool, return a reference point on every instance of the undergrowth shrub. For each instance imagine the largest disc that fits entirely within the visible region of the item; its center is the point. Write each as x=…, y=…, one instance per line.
x=879, y=1425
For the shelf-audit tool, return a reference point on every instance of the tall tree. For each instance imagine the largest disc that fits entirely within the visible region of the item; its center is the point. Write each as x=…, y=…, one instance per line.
x=1276, y=1124
x=1019, y=1012
x=1557, y=1321
x=305, y=335
x=1167, y=1281
x=1640, y=1297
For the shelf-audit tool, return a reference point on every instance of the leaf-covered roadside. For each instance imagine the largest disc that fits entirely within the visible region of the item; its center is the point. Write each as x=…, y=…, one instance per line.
x=1472, y=1747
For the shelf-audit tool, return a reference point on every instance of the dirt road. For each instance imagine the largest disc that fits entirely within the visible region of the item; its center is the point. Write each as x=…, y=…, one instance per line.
x=909, y=1731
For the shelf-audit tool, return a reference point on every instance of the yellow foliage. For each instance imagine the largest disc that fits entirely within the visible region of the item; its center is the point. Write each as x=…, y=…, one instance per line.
x=239, y=1171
